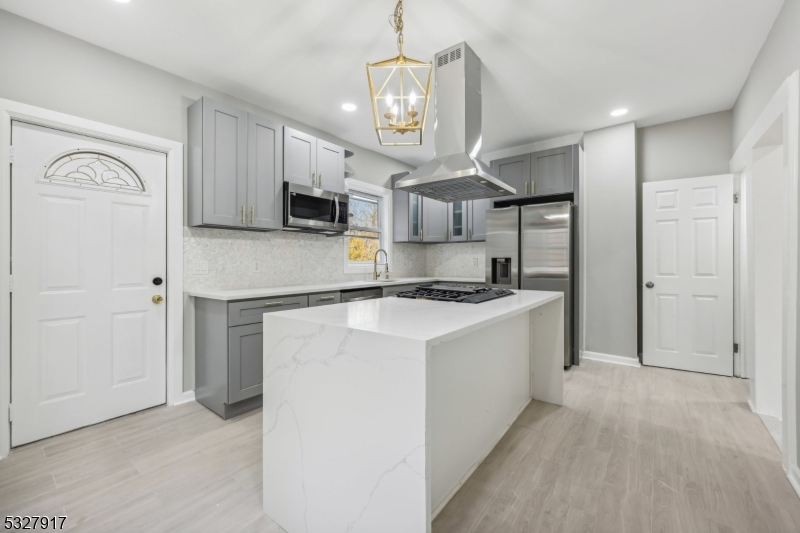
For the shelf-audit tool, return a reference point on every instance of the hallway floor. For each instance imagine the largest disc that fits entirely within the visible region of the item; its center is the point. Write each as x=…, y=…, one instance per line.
x=634, y=450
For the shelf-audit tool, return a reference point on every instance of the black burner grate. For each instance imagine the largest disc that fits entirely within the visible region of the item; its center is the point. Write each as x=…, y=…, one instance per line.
x=442, y=293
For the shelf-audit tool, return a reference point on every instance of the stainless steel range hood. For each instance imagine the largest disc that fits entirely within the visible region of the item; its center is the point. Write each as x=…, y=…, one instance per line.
x=455, y=173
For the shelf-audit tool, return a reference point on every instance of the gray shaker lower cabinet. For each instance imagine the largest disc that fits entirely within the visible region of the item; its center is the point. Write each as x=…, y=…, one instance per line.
x=245, y=362
x=229, y=351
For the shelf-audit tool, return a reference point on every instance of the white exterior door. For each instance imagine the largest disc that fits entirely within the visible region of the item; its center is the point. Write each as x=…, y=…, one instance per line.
x=88, y=239
x=687, y=252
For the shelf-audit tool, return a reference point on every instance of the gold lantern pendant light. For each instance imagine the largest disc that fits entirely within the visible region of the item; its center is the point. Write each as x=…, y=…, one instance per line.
x=405, y=85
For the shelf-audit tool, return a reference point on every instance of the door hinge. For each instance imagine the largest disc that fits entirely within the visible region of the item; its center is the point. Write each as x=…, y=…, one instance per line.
x=736, y=198
x=10, y=283
x=10, y=154
x=735, y=347
x=10, y=413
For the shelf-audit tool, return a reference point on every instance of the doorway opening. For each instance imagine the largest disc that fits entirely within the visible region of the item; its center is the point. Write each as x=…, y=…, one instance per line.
x=763, y=240
x=766, y=163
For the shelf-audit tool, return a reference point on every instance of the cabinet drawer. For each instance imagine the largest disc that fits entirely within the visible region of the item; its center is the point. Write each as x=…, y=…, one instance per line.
x=330, y=298
x=252, y=311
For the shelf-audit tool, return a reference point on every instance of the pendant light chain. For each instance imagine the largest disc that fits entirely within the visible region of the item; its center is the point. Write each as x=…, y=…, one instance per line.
x=396, y=21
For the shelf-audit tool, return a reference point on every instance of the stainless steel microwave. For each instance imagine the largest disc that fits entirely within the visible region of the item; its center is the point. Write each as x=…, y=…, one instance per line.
x=314, y=210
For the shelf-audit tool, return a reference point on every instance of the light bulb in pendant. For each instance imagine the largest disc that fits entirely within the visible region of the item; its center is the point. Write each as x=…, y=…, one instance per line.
x=389, y=99
x=394, y=110
x=412, y=98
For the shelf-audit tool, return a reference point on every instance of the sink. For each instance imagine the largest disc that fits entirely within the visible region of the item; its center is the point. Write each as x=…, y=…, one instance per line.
x=386, y=280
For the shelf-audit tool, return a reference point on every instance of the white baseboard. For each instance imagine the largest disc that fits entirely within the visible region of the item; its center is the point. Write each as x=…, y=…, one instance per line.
x=614, y=359
x=794, y=478
x=186, y=397
x=752, y=406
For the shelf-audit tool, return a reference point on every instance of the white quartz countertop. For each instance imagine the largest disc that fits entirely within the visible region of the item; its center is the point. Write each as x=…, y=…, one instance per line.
x=269, y=292
x=425, y=320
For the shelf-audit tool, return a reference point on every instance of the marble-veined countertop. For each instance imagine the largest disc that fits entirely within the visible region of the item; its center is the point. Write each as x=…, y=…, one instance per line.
x=269, y=292
x=430, y=321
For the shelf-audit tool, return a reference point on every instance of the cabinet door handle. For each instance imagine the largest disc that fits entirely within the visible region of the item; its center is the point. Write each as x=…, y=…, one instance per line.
x=470, y=234
x=273, y=304
x=326, y=298
x=526, y=188
x=319, y=180
x=420, y=235
x=313, y=179
x=252, y=215
x=244, y=223
x=533, y=188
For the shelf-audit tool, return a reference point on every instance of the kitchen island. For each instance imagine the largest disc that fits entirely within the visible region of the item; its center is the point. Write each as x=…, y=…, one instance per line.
x=376, y=412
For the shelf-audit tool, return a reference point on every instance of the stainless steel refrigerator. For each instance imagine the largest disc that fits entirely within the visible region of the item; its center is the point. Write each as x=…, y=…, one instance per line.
x=534, y=247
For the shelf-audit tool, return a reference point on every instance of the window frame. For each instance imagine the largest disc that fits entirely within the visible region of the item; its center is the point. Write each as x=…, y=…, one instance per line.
x=384, y=198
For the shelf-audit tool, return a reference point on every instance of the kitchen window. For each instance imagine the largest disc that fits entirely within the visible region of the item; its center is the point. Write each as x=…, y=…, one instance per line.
x=369, y=226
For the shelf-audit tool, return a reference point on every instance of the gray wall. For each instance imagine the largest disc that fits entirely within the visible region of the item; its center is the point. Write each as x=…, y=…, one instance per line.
x=779, y=57
x=49, y=69
x=693, y=147
x=610, y=214
x=689, y=148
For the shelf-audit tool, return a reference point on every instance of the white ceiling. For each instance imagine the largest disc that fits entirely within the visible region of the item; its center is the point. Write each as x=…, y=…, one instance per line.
x=550, y=67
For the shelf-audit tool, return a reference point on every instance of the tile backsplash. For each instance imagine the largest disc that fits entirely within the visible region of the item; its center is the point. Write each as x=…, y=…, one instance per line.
x=226, y=259
x=458, y=259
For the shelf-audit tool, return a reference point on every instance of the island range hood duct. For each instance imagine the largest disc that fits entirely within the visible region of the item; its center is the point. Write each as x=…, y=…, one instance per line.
x=455, y=173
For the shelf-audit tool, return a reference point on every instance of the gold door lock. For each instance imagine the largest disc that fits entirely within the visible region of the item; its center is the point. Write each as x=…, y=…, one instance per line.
x=157, y=299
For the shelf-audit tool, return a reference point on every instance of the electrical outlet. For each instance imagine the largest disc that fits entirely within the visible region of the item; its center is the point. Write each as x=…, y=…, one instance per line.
x=474, y=261
x=256, y=266
x=201, y=267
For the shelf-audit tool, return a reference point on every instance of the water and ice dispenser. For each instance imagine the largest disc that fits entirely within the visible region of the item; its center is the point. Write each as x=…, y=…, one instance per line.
x=501, y=271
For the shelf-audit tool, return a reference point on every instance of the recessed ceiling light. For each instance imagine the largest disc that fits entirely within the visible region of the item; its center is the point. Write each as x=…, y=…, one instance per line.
x=123, y=1
x=349, y=107
x=618, y=112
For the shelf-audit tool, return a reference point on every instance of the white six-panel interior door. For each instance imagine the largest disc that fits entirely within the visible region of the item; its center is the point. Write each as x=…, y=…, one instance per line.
x=687, y=256
x=88, y=238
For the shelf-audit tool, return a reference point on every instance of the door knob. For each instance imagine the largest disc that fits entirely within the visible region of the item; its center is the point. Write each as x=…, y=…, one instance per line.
x=157, y=299
x=649, y=285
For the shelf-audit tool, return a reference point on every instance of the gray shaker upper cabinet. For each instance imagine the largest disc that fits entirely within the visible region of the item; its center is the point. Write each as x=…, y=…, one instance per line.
x=477, y=219
x=217, y=164
x=516, y=171
x=330, y=166
x=552, y=171
x=434, y=221
x=313, y=162
x=406, y=213
x=235, y=168
x=457, y=216
x=300, y=157
x=264, y=174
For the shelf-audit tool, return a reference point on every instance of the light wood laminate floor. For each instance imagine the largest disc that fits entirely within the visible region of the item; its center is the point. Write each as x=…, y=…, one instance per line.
x=634, y=450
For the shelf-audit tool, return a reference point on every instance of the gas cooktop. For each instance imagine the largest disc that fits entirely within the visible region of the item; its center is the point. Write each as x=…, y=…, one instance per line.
x=448, y=293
